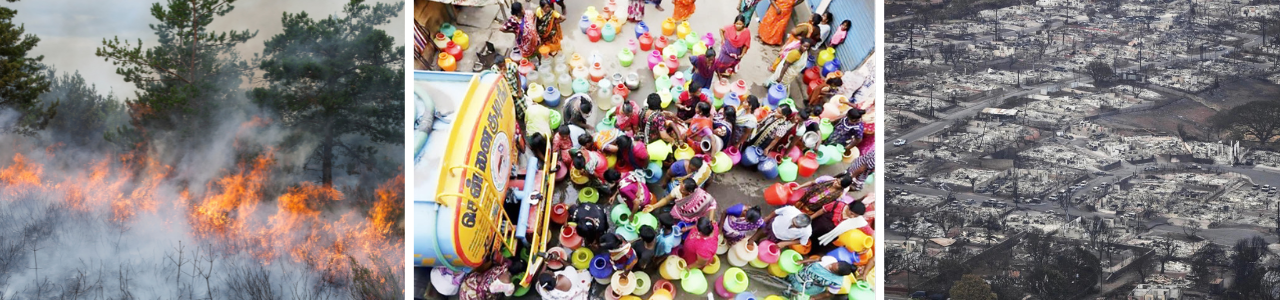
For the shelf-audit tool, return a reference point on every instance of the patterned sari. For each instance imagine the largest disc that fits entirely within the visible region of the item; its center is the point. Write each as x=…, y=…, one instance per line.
x=694, y=206
x=684, y=9
x=510, y=73
x=813, y=279
x=731, y=50
x=549, y=29
x=527, y=39
x=774, y=25
x=702, y=71
x=635, y=11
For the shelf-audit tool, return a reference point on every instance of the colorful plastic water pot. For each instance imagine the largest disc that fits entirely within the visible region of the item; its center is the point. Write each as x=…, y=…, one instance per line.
x=673, y=268
x=777, y=93
x=641, y=29
x=790, y=261
x=855, y=240
x=829, y=154
x=569, y=238
x=653, y=172
x=622, y=283
x=768, y=167
x=557, y=252
x=554, y=119
x=787, y=170
x=808, y=164
x=669, y=27
x=735, y=280
x=769, y=252
x=447, y=29
x=620, y=214
x=778, y=194
x=684, y=152
x=658, y=150
x=581, y=258
x=588, y=195
x=745, y=296
x=663, y=290
x=643, y=283
x=625, y=57
x=713, y=266
x=734, y=155
x=694, y=282
x=742, y=252
x=861, y=291
x=559, y=213
x=721, y=163
x=609, y=32
x=645, y=219
x=601, y=267
x=751, y=156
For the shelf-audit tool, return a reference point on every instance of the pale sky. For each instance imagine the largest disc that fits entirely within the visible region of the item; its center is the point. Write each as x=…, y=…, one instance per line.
x=71, y=30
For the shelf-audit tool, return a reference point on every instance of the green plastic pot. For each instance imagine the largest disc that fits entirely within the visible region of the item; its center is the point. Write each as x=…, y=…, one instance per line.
x=555, y=119
x=826, y=128
x=694, y=282
x=861, y=291
x=735, y=280
x=520, y=289
x=588, y=195
x=643, y=218
x=620, y=214
x=790, y=261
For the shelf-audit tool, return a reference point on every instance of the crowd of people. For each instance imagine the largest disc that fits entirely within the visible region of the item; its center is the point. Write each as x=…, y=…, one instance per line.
x=617, y=159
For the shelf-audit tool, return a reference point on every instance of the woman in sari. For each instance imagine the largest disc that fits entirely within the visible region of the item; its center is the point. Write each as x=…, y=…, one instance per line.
x=635, y=11
x=790, y=69
x=740, y=221
x=684, y=9
x=548, y=21
x=488, y=284
x=566, y=284
x=811, y=197
x=737, y=39
x=816, y=275
x=691, y=203
x=747, y=8
x=525, y=28
x=774, y=25
x=702, y=71
x=510, y=71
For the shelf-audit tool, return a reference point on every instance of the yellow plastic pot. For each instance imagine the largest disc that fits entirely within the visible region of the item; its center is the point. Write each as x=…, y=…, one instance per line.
x=758, y=263
x=776, y=270
x=682, y=30
x=713, y=266
x=658, y=150
x=534, y=92
x=461, y=39
x=684, y=152
x=581, y=258
x=735, y=280
x=721, y=163
x=577, y=177
x=663, y=295
x=855, y=240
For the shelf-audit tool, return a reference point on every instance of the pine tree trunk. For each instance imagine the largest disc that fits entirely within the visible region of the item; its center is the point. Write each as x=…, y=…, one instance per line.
x=326, y=161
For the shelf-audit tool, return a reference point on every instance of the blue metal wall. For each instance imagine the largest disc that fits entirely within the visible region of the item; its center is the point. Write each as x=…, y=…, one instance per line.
x=861, y=39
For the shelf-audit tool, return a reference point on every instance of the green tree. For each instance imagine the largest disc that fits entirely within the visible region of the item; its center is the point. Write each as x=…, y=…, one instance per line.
x=83, y=115
x=972, y=287
x=1100, y=71
x=335, y=77
x=1257, y=119
x=192, y=75
x=21, y=81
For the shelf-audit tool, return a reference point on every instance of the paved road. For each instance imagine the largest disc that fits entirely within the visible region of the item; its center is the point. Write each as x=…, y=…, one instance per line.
x=935, y=127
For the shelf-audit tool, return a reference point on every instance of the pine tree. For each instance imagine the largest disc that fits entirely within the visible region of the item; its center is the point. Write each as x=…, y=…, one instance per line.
x=21, y=81
x=337, y=77
x=185, y=80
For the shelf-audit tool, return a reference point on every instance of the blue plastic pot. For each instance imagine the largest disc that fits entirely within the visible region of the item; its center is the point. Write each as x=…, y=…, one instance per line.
x=831, y=66
x=654, y=172
x=751, y=156
x=768, y=167
x=551, y=97
x=601, y=267
x=776, y=93
x=641, y=28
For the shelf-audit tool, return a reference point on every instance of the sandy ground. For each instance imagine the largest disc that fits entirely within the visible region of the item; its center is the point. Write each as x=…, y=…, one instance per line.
x=738, y=185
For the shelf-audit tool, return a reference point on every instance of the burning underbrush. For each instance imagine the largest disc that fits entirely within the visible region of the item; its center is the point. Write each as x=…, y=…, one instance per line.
x=124, y=226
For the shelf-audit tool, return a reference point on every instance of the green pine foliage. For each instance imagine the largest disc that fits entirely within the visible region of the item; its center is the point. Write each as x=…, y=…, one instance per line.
x=335, y=79
x=21, y=81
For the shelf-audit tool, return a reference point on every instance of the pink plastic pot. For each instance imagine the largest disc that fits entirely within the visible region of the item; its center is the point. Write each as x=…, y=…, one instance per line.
x=769, y=252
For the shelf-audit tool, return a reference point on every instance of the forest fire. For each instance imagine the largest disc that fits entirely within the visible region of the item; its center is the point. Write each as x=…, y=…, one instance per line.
x=311, y=224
